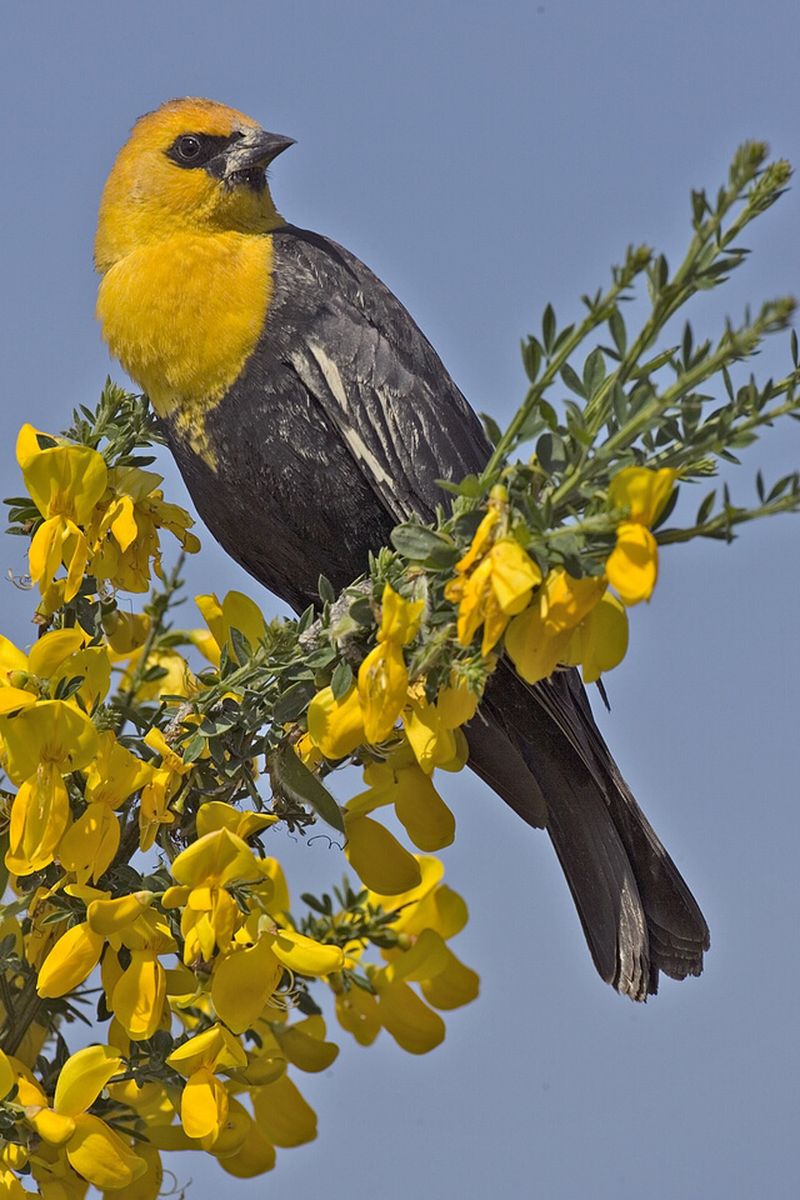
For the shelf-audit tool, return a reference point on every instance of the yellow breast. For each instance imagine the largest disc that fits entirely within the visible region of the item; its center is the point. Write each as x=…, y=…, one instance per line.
x=183, y=315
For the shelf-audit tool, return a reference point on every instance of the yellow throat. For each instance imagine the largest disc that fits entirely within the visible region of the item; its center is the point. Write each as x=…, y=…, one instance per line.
x=186, y=265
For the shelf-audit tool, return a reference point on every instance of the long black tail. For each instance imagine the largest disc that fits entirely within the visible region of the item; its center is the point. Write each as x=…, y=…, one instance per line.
x=539, y=748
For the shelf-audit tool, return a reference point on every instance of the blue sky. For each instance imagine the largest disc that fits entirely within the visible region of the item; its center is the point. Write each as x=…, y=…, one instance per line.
x=485, y=159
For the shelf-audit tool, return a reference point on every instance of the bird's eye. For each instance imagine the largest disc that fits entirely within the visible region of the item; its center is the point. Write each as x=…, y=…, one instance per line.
x=189, y=147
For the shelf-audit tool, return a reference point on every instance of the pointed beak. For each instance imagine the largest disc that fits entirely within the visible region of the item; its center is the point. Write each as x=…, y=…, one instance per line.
x=254, y=151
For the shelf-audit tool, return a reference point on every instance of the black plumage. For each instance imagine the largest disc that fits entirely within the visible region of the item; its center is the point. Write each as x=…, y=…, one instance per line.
x=338, y=427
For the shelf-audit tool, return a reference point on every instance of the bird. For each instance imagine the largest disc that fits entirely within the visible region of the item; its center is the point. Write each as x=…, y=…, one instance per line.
x=309, y=415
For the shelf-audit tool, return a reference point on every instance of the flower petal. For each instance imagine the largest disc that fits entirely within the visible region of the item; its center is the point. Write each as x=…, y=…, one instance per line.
x=632, y=567
x=83, y=1077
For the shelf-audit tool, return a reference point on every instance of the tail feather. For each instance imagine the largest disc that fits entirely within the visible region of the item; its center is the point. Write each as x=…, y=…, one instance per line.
x=542, y=749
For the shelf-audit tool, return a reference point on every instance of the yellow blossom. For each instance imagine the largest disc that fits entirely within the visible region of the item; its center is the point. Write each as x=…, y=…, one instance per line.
x=431, y=734
x=632, y=567
x=304, y=1044
x=210, y=912
x=93, y=1150
x=42, y=743
x=242, y=983
x=419, y=807
x=377, y=857
x=336, y=726
x=126, y=535
x=382, y=676
x=382, y=687
x=89, y=845
x=413, y=1025
x=282, y=1115
x=642, y=491
x=65, y=483
x=204, y=1101
x=237, y=611
x=600, y=641
x=538, y=638
x=500, y=586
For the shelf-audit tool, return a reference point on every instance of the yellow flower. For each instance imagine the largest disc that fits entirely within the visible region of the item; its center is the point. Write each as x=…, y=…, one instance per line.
x=136, y=994
x=377, y=857
x=93, y=1150
x=538, y=638
x=382, y=687
x=42, y=743
x=282, y=1115
x=498, y=588
x=304, y=1044
x=632, y=567
x=89, y=845
x=642, y=491
x=336, y=726
x=126, y=534
x=600, y=641
x=160, y=788
x=237, y=611
x=382, y=676
x=419, y=807
x=434, y=739
x=242, y=983
x=65, y=483
x=204, y=1101
x=209, y=911
x=408, y=1019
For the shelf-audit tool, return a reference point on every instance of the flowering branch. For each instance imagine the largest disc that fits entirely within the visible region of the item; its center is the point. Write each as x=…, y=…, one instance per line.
x=147, y=763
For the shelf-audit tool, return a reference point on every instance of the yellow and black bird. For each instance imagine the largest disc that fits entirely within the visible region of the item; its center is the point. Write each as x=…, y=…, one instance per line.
x=309, y=415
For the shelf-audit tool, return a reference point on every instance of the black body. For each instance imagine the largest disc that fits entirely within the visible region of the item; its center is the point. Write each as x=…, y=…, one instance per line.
x=337, y=429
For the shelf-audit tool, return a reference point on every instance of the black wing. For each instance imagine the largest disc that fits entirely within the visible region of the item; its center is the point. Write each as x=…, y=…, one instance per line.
x=380, y=383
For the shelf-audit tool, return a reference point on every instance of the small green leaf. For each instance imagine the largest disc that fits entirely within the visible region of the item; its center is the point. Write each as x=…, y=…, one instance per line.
x=291, y=778
x=469, y=486
x=594, y=371
x=493, y=431
x=532, y=358
x=294, y=701
x=549, y=328
x=616, y=326
x=325, y=589
x=341, y=680
x=551, y=452
x=705, y=508
x=424, y=545
x=572, y=380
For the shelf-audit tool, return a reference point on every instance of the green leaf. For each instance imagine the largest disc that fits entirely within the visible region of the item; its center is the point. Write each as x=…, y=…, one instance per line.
x=423, y=545
x=194, y=748
x=292, y=779
x=532, y=358
x=572, y=380
x=325, y=589
x=241, y=646
x=493, y=431
x=549, y=328
x=294, y=701
x=469, y=486
x=616, y=326
x=341, y=680
x=705, y=508
x=594, y=371
x=551, y=452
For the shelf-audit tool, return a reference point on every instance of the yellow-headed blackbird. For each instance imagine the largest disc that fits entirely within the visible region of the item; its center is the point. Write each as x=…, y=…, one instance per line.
x=309, y=415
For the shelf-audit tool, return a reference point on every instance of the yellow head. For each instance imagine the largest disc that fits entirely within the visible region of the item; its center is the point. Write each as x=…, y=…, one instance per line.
x=192, y=166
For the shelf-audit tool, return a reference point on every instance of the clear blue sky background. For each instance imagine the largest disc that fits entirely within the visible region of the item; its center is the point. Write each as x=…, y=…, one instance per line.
x=485, y=158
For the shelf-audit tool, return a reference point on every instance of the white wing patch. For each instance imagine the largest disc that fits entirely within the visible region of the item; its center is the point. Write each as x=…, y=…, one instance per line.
x=358, y=446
